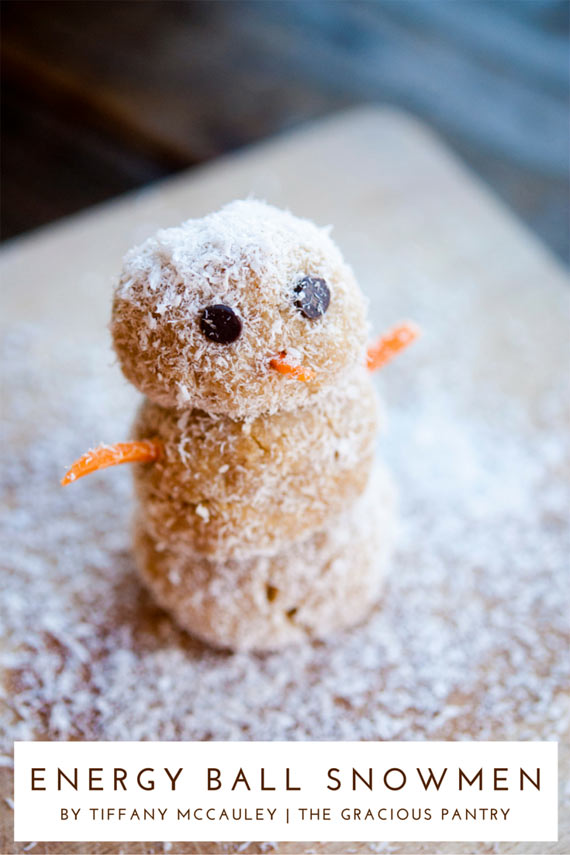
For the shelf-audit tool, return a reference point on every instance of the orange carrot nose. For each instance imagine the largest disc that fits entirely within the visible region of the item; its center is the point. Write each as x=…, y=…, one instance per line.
x=137, y=451
x=285, y=366
x=390, y=344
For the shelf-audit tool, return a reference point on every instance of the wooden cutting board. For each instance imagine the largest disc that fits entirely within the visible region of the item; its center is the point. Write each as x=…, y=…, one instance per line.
x=420, y=232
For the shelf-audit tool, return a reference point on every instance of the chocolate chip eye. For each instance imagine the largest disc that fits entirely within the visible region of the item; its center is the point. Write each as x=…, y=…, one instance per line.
x=313, y=297
x=219, y=323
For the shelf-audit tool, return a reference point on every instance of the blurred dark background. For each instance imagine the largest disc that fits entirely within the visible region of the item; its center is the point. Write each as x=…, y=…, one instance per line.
x=103, y=96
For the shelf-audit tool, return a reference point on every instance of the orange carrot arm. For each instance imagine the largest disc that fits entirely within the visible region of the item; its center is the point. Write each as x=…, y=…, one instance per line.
x=283, y=366
x=136, y=451
x=390, y=344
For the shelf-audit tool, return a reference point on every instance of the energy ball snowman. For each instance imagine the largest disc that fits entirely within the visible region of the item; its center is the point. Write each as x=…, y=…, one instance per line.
x=261, y=519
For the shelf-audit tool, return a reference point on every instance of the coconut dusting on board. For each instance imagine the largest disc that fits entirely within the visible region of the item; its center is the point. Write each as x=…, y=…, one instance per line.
x=470, y=640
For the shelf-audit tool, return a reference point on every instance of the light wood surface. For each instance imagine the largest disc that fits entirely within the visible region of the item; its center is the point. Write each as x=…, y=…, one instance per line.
x=405, y=213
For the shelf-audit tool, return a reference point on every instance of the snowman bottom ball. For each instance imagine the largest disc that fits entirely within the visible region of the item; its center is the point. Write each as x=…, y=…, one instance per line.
x=307, y=590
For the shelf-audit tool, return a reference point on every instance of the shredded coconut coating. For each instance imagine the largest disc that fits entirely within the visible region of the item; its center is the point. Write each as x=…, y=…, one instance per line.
x=267, y=423
x=308, y=590
x=248, y=256
x=230, y=488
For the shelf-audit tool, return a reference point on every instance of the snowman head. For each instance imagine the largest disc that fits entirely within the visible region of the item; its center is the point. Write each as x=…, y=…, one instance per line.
x=248, y=310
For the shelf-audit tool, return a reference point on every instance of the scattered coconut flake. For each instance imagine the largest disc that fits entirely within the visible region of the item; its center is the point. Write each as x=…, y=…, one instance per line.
x=203, y=512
